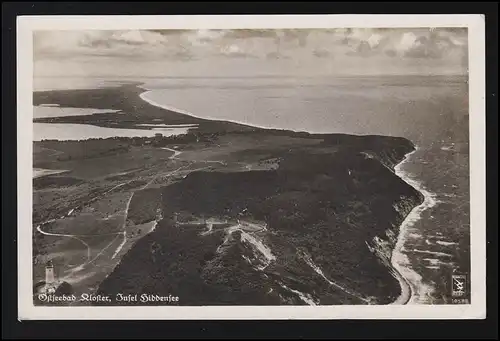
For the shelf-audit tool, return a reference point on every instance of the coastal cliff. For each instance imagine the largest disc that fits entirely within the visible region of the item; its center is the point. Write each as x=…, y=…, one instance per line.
x=318, y=228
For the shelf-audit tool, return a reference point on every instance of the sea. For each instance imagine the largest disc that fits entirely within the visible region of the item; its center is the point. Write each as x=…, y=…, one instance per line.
x=431, y=111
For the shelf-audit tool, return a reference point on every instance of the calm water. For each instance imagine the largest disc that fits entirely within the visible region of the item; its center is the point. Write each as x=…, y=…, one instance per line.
x=56, y=111
x=387, y=106
x=430, y=111
x=66, y=132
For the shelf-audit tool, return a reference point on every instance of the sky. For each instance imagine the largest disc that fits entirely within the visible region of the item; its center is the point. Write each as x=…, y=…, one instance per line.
x=250, y=53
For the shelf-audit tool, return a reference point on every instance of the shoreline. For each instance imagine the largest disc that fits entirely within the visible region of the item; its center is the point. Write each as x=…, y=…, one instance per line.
x=187, y=113
x=213, y=119
x=412, y=288
x=143, y=97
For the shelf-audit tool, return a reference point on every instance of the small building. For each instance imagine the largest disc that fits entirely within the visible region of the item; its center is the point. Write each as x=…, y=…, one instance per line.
x=52, y=285
x=49, y=273
x=157, y=139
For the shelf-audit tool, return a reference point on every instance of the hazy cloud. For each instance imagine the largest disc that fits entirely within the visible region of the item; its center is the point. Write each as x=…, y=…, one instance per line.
x=371, y=48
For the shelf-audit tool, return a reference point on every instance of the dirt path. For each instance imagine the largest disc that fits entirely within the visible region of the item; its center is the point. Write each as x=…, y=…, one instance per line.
x=39, y=229
x=121, y=233
x=124, y=224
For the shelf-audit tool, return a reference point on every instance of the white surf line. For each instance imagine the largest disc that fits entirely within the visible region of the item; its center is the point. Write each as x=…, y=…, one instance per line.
x=399, y=260
x=442, y=254
x=318, y=270
x=438, y=237
x=406, y=289
x=445, y=243
x=414, y=235
x=434, y=261
x=452, y=195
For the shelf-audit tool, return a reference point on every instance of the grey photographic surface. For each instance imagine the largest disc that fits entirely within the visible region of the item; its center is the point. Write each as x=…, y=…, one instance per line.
x=266, y=168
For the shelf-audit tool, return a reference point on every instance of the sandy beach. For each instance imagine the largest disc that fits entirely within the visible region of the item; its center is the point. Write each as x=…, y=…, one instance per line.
x=412, y=288
x=144, y=96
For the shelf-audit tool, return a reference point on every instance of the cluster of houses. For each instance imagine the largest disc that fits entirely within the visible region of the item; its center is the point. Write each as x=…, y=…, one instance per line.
x=160, y=140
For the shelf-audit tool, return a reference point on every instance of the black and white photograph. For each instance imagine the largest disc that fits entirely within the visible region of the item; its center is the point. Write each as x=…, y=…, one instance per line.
x=326, y=163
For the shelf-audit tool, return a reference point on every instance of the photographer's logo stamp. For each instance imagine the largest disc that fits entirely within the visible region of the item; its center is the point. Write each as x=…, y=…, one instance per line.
x=458, y=285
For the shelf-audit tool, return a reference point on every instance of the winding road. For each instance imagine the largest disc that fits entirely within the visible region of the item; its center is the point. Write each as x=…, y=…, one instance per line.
x=121, y=233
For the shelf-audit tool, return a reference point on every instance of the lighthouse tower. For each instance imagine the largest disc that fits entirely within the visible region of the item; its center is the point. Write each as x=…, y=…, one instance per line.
x=49, y=273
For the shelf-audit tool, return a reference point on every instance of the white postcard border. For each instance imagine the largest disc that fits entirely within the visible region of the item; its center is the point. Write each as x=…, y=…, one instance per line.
x=475, y=24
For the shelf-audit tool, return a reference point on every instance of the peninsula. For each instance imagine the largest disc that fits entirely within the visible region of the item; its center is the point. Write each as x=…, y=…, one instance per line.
x=226, y=214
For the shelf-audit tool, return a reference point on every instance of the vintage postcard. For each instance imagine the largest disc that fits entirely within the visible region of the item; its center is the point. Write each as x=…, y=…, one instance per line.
x=251, y=167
